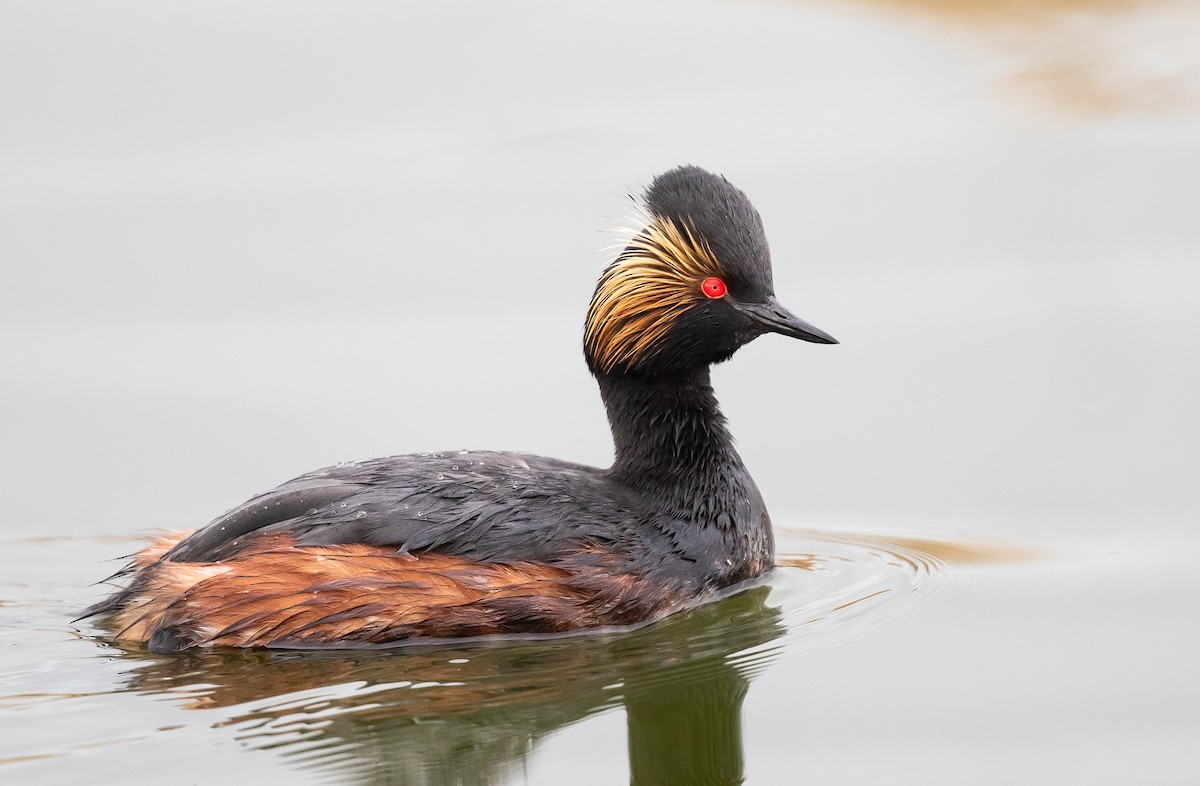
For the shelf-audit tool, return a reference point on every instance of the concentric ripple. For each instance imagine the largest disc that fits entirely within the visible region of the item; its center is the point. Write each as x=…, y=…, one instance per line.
x=835, y=586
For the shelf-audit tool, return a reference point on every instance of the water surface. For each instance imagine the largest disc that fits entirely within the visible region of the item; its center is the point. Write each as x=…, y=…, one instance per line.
x=440, y=713
x=240, y=241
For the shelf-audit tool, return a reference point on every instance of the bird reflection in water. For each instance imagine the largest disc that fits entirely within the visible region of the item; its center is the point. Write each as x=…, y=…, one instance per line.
x=472, y=713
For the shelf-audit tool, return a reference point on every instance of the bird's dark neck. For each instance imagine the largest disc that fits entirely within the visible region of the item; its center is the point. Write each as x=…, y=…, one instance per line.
x=672, y=448
x=670, y=435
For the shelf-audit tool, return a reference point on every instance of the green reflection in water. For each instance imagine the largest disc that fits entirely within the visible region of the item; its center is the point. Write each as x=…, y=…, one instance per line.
x=471, y=714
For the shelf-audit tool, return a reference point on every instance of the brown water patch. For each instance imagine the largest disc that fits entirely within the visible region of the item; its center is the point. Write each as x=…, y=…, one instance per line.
x=35, y=539
x=993, y=11
x=923, y=555
x=47, y=696
x=21, y=759
x=1084, y=57
x=963, y=552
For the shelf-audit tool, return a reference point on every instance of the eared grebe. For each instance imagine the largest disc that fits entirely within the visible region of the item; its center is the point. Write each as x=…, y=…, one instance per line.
x=466, y=544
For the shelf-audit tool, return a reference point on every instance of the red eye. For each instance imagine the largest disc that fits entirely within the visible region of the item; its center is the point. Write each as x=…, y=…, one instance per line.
x=713, y=287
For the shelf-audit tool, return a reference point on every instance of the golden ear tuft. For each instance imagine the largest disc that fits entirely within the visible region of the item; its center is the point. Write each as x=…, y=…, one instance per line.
x=641, y=294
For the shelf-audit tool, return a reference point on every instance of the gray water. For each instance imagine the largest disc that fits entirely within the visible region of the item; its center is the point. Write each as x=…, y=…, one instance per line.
x=241, y=241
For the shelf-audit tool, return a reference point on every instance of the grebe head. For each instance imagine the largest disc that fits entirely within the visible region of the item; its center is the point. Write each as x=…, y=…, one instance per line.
x=691, y=287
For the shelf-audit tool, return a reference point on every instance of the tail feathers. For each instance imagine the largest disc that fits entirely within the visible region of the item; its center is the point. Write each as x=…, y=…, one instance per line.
x=106, y=606
x=148, y=555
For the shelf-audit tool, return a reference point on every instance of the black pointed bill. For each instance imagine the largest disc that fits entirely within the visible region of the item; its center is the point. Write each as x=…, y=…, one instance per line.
x=771, y=316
